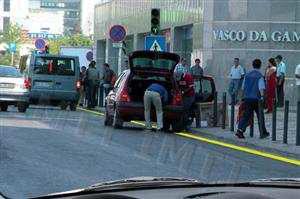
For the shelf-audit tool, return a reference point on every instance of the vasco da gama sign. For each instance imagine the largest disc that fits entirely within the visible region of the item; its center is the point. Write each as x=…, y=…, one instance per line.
x=258, y=36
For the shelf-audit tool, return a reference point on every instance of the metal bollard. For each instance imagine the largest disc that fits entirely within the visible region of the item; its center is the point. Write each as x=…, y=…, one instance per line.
x=224, y=111
x=274, y=120
x=215, y=107
x=298, y=125
x=260, y=117
x=286, y=120
x=232, y=116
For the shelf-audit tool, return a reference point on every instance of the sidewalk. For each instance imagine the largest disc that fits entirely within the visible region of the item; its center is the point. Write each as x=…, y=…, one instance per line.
x=264, y=144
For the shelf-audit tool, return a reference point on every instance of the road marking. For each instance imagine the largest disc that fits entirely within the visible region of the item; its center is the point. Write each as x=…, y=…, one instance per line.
x=241, y=148
x=90, y=111
x=223, y=144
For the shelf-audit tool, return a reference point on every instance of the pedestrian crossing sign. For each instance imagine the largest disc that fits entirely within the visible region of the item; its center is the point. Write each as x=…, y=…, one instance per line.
x=155, y=43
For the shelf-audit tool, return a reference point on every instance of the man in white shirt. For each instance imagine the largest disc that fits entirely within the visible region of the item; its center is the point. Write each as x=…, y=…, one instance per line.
x=281, y=72
x=236, y=75
x=297, y=77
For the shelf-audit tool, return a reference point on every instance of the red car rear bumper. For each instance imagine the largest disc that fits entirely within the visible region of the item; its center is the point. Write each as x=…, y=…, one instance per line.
x=135, y=111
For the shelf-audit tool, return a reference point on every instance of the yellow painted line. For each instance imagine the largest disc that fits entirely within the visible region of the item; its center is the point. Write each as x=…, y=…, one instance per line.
x=241, y=148
x=223, y=144
x=90, y=111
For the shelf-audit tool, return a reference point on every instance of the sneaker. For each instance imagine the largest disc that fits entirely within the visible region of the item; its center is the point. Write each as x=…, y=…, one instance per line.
x=159, y=130
x=265, y=135
x=240, y=134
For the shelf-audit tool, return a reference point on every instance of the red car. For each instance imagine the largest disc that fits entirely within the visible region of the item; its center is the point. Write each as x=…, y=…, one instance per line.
x=125, y=102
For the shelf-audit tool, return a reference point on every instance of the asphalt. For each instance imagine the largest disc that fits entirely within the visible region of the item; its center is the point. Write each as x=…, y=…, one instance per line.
x=47, y=150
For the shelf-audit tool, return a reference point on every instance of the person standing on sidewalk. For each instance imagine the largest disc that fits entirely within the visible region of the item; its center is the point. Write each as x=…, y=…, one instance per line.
x=281, y=71
x=253, y=86
x=93, y=80
x=297, y=76
x=108, y=77
x=157, y=95
x=188, y=93
x=236, y=75
x=82, y=91
x=270, y=84
x=197, y=73
x=181, y=68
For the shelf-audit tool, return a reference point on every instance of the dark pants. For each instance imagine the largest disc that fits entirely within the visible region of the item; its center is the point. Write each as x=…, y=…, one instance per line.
x=188, y=102
x=250, y=107
x=91, y=93
x=280, y=95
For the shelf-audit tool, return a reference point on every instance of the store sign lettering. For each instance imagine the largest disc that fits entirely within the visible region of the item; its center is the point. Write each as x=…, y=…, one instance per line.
x=256, y=36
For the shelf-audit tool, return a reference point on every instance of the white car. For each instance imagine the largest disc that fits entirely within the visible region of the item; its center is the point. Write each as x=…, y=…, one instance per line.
x=14, y=89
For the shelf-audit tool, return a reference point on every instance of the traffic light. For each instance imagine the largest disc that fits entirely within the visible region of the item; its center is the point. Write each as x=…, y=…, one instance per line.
x=155, y=21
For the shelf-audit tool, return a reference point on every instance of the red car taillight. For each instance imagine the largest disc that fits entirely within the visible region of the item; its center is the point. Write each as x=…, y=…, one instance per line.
x=124, y=97
x=177, y=99
x=27, y=83
x=78, y=85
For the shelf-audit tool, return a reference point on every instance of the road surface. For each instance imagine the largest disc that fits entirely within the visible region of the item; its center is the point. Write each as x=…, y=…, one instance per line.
x=47, y=150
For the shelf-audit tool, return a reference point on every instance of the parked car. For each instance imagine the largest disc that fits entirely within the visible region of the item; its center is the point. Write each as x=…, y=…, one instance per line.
x=125, y=102
x=14, y=89
x=54, y=79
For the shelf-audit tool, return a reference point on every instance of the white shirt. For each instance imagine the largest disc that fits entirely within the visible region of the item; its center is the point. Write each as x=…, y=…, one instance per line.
x=236, y=72
x=281, y=69
x=297, y=72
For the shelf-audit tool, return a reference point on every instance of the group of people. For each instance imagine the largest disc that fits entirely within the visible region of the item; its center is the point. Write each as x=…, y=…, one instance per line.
x=157, y=94
x=90, y=80
x=274, y=79
x=266, y=89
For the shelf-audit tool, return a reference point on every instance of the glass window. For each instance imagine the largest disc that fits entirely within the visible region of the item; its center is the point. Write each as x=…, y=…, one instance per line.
x=6, y=5
x=9, y=72
x=54, y=66
x=153, y=63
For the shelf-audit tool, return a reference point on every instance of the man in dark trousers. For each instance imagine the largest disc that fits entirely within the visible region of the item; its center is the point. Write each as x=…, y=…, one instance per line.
x=253, y=87
x=93, y=79
x=281, y=71
x=188, y=93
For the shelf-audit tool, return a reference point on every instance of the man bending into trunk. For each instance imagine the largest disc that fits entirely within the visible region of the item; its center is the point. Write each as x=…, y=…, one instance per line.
x=155, y=94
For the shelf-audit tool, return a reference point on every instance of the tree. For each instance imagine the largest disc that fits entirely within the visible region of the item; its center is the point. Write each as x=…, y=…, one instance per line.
x=77, y=40
x=11, y=34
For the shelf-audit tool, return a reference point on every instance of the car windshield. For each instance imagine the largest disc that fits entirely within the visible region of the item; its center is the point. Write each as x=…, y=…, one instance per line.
x=94, y=91
x=9, y=72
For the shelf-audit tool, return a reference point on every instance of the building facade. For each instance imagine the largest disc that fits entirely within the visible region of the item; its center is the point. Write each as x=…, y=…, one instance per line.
x=216, y=31
x=5, y=7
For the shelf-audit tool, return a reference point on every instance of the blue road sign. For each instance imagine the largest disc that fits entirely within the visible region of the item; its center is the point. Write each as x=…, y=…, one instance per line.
x=89, y=56
x=117, y=33
x=12, y=47
x=155, y=43
x=40, y=43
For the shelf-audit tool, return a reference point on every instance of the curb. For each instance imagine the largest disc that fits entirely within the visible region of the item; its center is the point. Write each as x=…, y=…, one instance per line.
x=207, y=134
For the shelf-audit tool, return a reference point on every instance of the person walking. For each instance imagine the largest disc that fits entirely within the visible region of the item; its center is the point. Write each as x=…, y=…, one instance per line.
x=281, y=72
x=297, y=76
x=253, y=86
x=93, y=79
x=82, y=91
x=236, y=75
x=270, y=84
x=188, y=93
x=108, y=78
x=157, y=95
